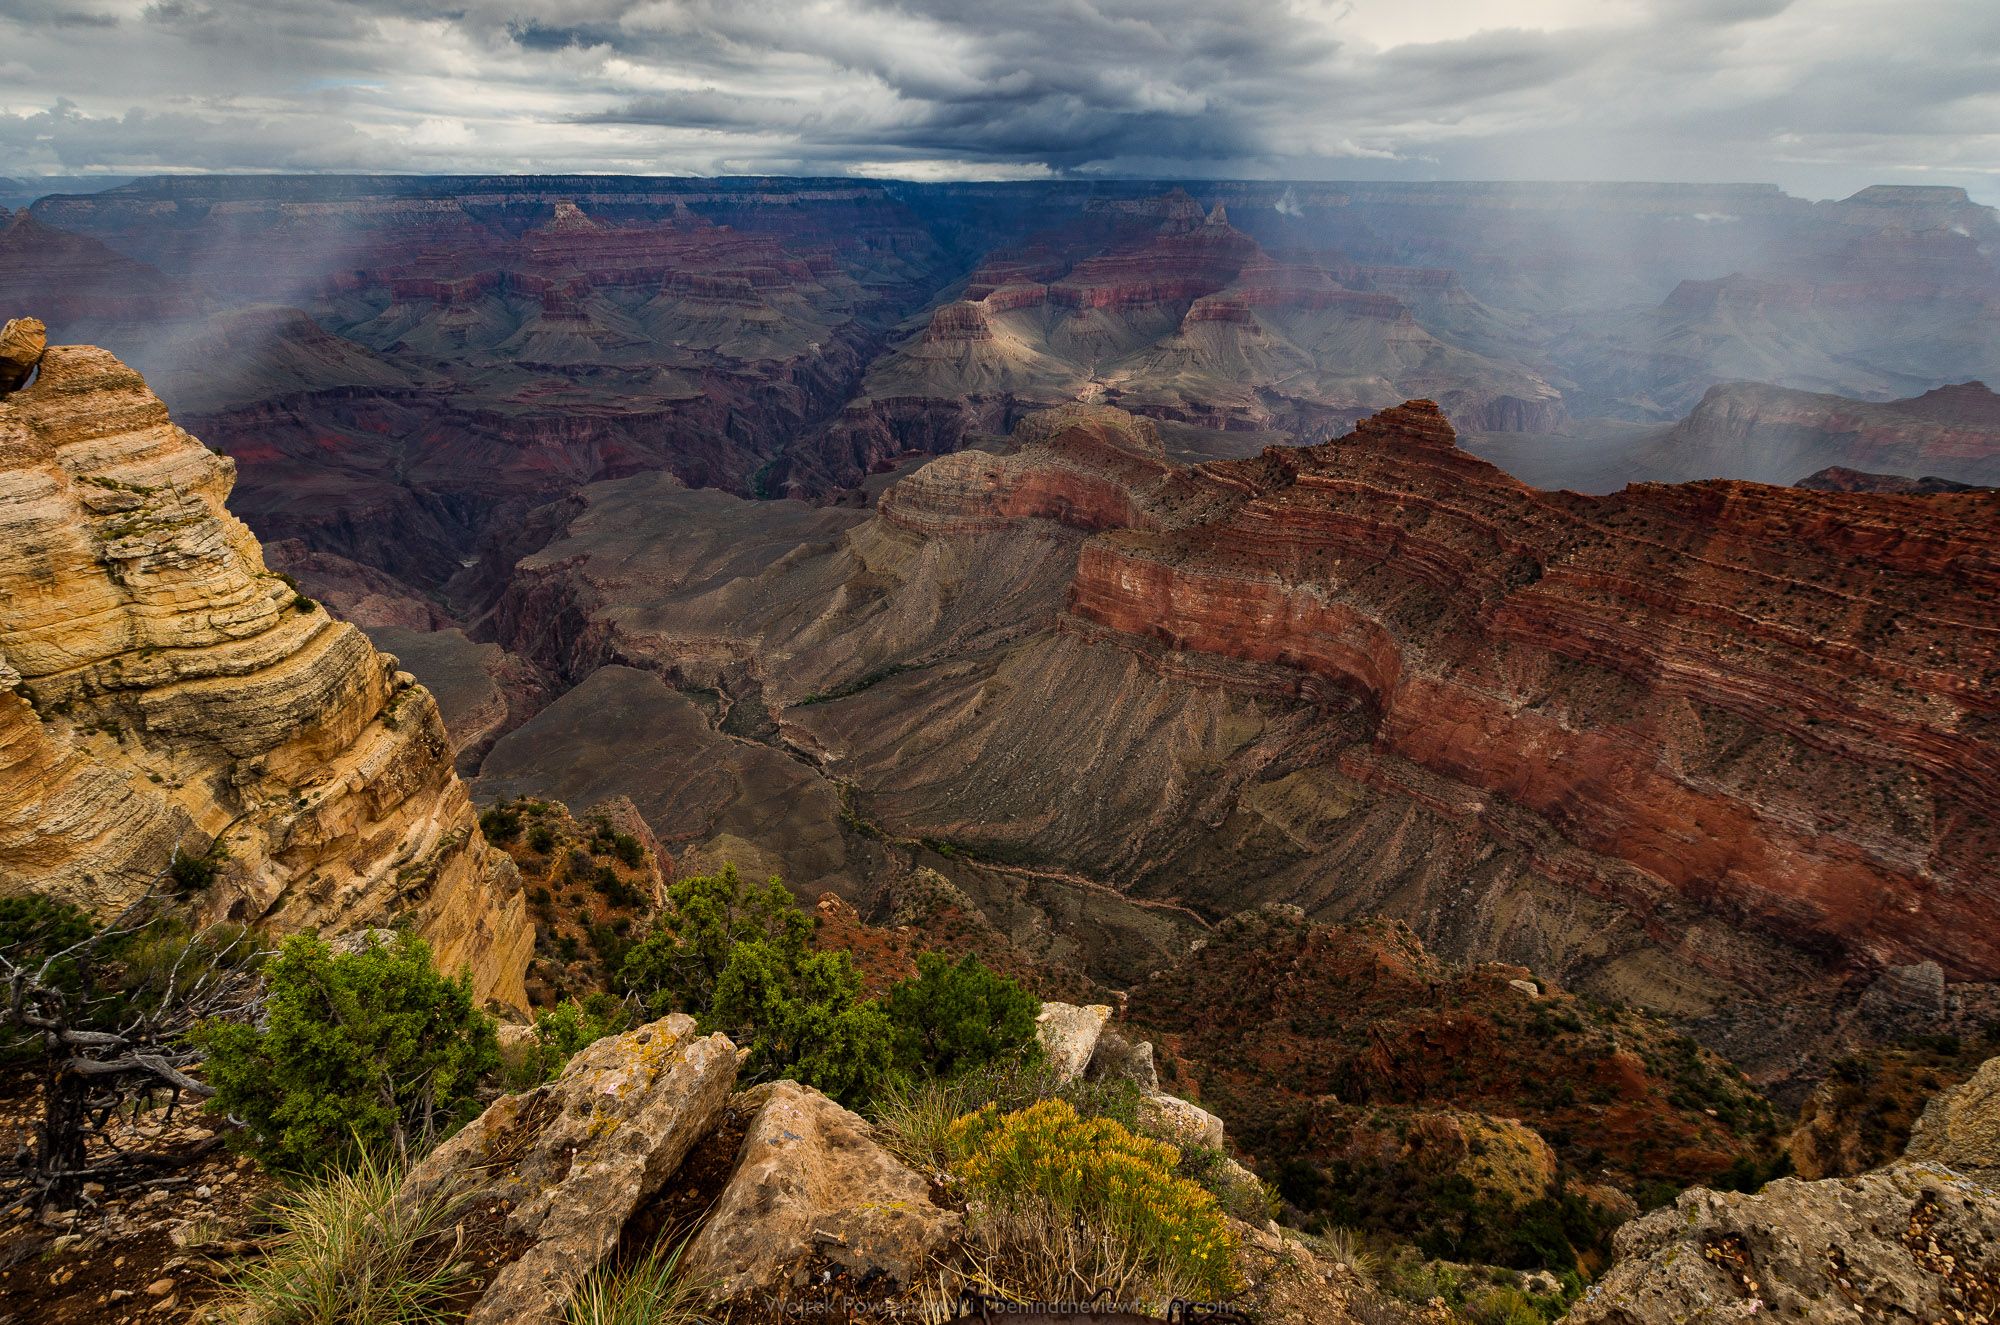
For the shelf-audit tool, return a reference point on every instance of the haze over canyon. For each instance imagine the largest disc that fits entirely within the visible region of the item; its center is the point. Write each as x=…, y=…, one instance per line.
x=1496, y=684
x=631, y=473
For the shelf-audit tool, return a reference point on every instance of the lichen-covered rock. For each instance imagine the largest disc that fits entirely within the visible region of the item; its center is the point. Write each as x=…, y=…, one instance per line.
x=1184, y=1123
x=1910, y=1243
x=1068, y=1035
x=1961, y=1126
x=168, y=694
x=574, y=1158
x=809, y=1184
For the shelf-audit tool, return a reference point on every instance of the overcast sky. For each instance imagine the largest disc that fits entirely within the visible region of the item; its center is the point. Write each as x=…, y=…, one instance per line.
x=1821, y=96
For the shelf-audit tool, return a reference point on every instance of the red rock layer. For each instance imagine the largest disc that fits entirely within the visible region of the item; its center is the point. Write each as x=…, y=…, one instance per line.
x=1782, y=706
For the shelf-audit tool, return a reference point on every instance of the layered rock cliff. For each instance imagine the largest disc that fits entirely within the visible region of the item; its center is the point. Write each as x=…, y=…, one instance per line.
x=164, y=696
x=1774, y=705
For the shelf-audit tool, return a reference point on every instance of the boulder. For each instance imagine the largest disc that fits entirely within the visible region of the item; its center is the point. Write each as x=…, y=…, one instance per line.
x=810, y=1184
x=1069, y=1035
x=1177, y=1120
x=21, y=344
x=1910, y=1243
x=1960, y=1128
x=1286, y=1282
x=570, y=1161
x=1117, y=1058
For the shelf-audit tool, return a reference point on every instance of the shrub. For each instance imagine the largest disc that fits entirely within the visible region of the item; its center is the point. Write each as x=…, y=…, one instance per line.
x=34, y=928
x=1094, y=1194
x=1343, y=1246
x=191, y=874
x=102, y=1016
x=501, y=824
x=916, y=1114
x=952, y=1016
x=367, y=1049
x=615, y=890
x=566, y=1030
x=650, y=1291
x=739, y=959
x=679, y=964
x=346, y=1251
x=541, y=839
x=801, y=1015
x=1507, y=1306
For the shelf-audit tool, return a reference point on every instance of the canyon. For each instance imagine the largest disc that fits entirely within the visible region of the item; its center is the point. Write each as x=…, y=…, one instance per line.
x=1722, y=750
x=1064, y=554
x=404, y=367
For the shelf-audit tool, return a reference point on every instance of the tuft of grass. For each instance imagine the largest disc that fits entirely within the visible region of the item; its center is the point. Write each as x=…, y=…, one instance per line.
x=346, y=1251
x=649, y=1291
x=1343, y=1246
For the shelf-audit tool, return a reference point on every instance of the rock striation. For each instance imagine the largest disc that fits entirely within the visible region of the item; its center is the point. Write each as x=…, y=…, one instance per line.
x=1610, y=665
x=1684, y=746
x=163, y=696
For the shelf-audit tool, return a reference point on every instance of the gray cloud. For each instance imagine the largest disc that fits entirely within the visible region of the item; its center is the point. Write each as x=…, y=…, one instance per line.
x=1822, y=96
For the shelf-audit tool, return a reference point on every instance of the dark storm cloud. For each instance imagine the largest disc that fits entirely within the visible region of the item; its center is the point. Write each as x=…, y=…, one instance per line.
x=1823, y=95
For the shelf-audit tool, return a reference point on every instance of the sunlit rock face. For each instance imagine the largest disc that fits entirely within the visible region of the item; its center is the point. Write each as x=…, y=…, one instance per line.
x=165, y=694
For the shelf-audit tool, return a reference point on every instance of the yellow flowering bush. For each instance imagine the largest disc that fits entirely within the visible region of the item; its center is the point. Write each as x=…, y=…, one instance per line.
x=1097, y=1172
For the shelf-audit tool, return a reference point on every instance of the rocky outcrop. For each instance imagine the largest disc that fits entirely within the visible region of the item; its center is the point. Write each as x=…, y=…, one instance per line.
x=811, y=1189
x=1068, y=1035
x=1082, y=1043
x=1186, y=1124
x=22, y=342
x=1118, y=1057
x=167, y=696
x=1911, y=1243
x=1861, y=1116
x=1961, y=1127
x=571, y=1161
